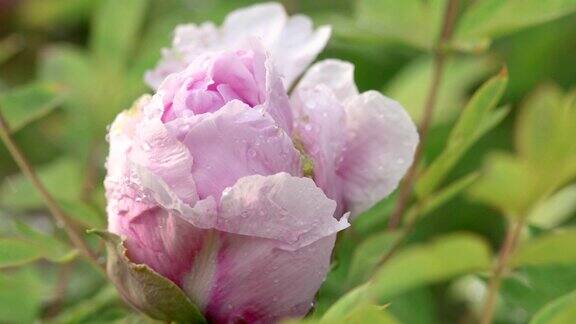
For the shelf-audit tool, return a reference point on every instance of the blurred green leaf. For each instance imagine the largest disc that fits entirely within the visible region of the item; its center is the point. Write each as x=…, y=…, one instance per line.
x=556, y=209
x=20, y=296
x=84, y=214
x=559, y=311
x=475, y=120
x=80, y=312
x=346, y=304
x=545, y=135
x=15, y=252
x=368, y=254
x=413, y=22
x=507, y=184
x=488, y=19
x=442, y=196
x=550, y=248
x=62, y=178
x=368, y=314
x=24, y=105
x=115, y=30
x=410, y=86
x=51, y=13
x=439, y=260
x=9, y=46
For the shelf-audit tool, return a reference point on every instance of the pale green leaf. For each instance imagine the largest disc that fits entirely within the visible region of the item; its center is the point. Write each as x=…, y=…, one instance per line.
x=346, y=304
x=440, y=260
x=413, y=22
x=80, y=311
x=556, y=209
x=62, y=178
x=508, y=184
x=476, y=120
x=550, y=248
x=368, y=253
x=488, y=19
x=84, y=214
x=559, y=311
x=410, y=86
x=368, y=314
x=15, y=252
x=20, y=296
x=24, y=105
x=115, y=29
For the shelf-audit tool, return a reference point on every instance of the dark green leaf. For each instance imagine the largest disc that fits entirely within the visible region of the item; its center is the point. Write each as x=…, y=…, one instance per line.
x=368, y=253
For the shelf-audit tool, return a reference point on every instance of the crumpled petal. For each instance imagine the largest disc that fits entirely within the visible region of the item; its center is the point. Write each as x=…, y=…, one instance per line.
x=234, y=142
x=280, y=207
x=292, y=41
x=381, y=140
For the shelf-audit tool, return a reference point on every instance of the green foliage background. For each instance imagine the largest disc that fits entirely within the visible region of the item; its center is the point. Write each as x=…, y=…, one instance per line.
x=501, y=153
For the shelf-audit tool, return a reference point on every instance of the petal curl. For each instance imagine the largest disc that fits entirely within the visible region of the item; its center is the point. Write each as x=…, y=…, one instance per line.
x=381, y=140
x=335, y=74
x=291, y=210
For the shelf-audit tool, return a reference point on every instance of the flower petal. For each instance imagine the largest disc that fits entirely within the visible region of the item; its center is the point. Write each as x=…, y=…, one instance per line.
x=280, y=207
x=335, y=74
x=381, y=142
x=234, y=142
x=256, y=282
x=319, y=124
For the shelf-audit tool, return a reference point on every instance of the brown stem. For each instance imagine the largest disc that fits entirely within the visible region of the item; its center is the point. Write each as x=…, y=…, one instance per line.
x=429, y=105
x=58, y=214
x=500, y=267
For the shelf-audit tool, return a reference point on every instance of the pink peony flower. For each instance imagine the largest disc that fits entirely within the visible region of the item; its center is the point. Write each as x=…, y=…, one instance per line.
x=235, y=191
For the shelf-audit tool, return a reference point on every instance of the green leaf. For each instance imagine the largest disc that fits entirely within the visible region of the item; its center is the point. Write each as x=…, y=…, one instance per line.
x=545, y=135
x=410, y=86
x=507, y=184
x=413, y=22
x=20, y=296
x=346, y=304
x=84, y=214
x=15, y=252
x=9, y=46
x=440, y=260
x=145, y=289
x=368, y=314
x=559, y=311
x=554, y=210
x=368, y=253
x=443, y=196
x=495, y=18
x=62, y=178
x=115, y=29
x=24, y=105
x=475, y=120
x=551, y=248
x=78, y=313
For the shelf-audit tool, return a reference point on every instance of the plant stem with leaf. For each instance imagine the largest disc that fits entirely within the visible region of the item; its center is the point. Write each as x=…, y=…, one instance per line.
x=440, y=56
x=512, y=235
x=62, y=220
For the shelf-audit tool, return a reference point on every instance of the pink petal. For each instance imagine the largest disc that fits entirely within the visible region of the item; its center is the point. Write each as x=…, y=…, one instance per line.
x=234, y=142
x=381, y=140
x=320, y=123
x=335, y=74
x=280, y=207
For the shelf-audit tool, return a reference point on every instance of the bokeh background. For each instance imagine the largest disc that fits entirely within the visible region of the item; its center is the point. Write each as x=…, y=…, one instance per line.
x=67, y=67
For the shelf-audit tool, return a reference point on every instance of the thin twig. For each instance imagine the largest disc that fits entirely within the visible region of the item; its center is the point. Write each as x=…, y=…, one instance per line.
x=440, y=55
x=512, y=235
x=61, y=218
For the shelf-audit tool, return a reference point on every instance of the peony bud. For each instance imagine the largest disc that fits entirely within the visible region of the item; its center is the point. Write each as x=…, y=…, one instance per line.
x=234, y=191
